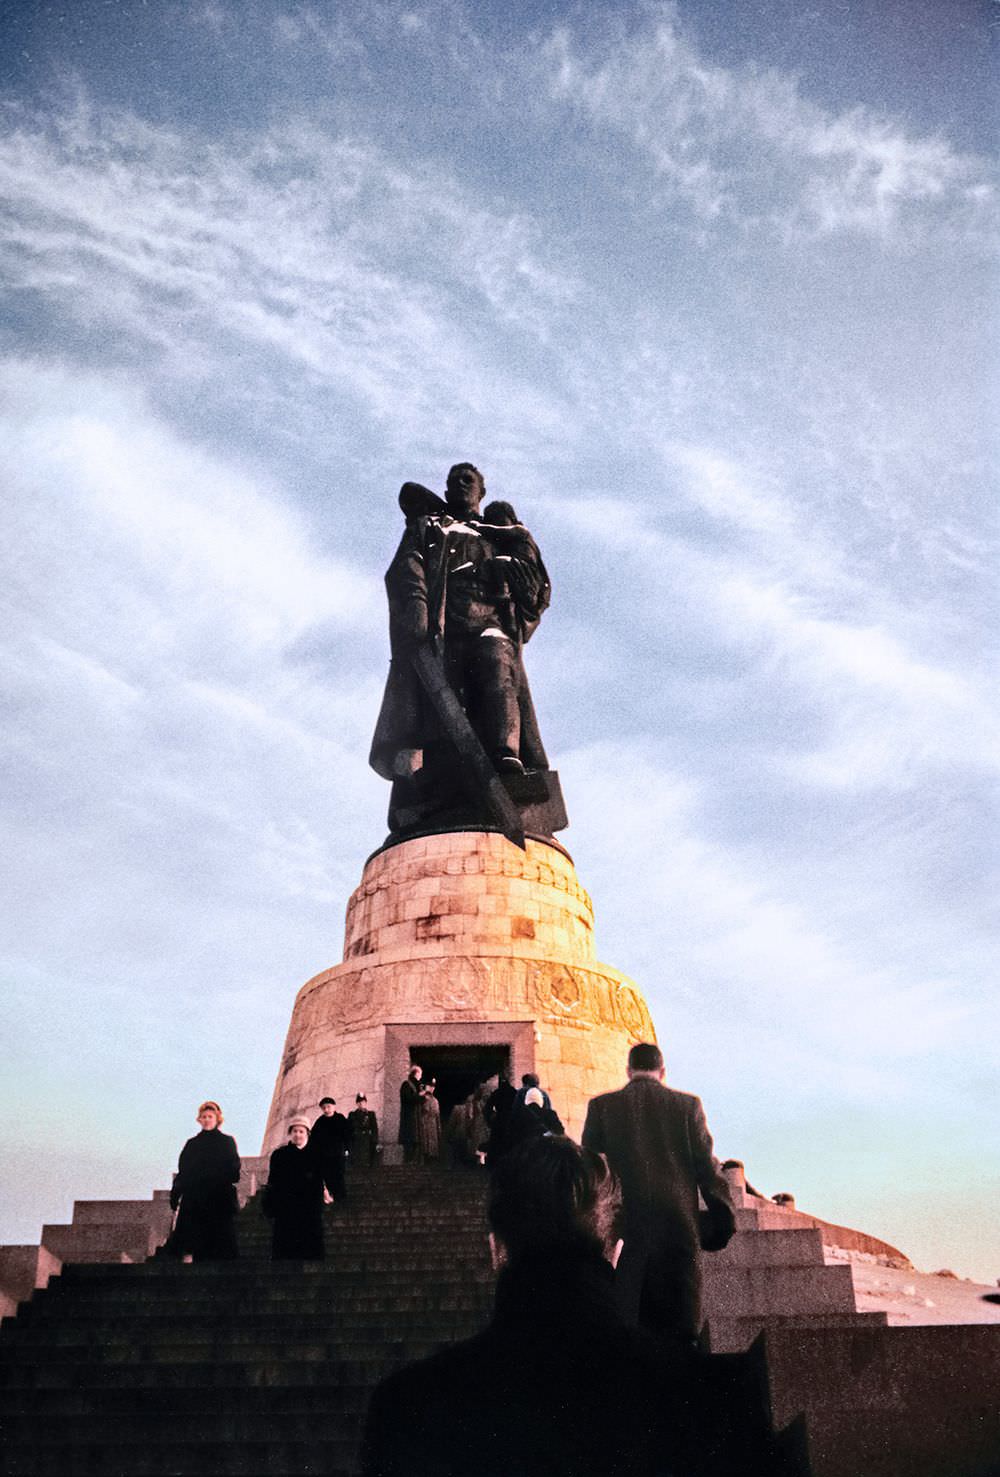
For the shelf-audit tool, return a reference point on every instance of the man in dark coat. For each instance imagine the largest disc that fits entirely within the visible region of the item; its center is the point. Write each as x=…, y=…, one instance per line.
x=474, y=586
x=363, y=1128
x=558, y=1385
x=499, y=1106
x=409, y=1097
x=328, y=1146
x=657, y=1142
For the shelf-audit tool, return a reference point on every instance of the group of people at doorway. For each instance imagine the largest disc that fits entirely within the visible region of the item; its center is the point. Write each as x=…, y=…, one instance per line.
x=304, y=1174
x=419, y=1118
x=481, y=1129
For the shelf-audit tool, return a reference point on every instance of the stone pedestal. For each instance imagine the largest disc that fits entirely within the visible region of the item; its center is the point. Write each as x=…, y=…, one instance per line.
x=461, y=940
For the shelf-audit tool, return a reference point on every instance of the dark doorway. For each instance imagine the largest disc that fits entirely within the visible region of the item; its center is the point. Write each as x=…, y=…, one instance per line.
x=459, y=1069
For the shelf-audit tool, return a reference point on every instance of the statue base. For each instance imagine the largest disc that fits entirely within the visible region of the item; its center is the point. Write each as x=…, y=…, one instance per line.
x=470, y=957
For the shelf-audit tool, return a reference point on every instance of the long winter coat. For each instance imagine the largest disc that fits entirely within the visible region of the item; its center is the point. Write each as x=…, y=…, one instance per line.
x=417, y=584
x=429, y=1126
x=363, y=1128
x=658, y=1144
x=205, y=1190
x=293, y=1199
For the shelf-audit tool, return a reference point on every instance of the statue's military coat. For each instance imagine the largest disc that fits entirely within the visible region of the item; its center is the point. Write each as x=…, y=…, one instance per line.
x=417, y=584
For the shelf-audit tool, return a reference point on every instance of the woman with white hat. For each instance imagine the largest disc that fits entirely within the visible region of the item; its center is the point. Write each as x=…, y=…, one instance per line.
x=293, y=1198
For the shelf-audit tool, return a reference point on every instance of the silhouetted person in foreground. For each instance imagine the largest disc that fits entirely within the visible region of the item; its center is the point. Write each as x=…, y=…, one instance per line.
x=558, y=1385
x=205, y=1190
x=658, y=1144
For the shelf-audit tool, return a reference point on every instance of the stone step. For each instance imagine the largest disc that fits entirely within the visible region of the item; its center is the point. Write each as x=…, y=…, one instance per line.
x=734, y=1291
x=876, y=1369
x=98, y=1243
x=943, y=1443
x=240, y=1344
x=334, y=1458
x=165, y=1427
x=162, y=1331
x=262, y=1373
x=250, y=1274
x=66, y=1403
x=793, y=1248
x=734, y=1335
x=358, y=1302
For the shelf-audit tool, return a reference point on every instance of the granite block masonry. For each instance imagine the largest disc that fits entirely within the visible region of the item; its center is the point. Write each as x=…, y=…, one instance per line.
x=461, y=940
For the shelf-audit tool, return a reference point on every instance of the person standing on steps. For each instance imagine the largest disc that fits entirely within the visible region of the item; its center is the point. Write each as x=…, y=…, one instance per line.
x=363, y=1130
x=328, y=1146
x=204, y=1189
x=428, y=1124
x=531, y=1119
x=528, y=1081
x=409, y=1097
x=499, y=1106
x=293, y=1198
x=657, y=1142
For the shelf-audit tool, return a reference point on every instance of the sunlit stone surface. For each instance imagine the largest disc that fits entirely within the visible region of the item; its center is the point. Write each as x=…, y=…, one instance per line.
x=461, y=939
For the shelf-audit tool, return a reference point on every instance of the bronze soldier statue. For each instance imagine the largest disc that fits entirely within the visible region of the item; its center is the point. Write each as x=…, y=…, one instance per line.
x=457, y=733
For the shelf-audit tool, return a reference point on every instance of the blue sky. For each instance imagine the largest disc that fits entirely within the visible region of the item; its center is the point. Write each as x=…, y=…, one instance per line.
x=708, y=292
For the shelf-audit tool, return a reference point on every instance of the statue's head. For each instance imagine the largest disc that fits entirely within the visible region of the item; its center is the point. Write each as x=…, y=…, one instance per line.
x=464, y=490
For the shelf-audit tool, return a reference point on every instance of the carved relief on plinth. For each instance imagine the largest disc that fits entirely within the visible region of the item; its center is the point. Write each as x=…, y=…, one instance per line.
x=564, y=987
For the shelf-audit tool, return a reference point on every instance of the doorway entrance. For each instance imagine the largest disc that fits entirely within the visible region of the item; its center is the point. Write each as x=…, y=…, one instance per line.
x=459, y=1070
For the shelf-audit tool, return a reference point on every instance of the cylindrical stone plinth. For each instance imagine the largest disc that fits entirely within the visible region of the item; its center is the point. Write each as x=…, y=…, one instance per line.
x=461, y=940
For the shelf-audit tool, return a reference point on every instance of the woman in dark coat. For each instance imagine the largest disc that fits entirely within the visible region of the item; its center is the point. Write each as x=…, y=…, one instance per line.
x=205, y=1190
x=532, y=1120
x=293, y=1198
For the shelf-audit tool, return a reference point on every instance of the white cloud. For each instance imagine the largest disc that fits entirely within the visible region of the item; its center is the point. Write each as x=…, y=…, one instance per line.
x=362, y=276
x=713, y=922
x=746, y=146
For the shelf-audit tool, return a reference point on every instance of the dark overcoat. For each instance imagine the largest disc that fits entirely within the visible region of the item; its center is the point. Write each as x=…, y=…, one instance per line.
x=416, y=584
x=205, y=1190
x=409, y=1097
x=363, y=1141
x=658, y=1144
x=329, y=1137
x=293, y=1200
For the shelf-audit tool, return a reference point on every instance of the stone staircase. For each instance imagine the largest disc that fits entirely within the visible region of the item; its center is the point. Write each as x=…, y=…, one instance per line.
x=773, y=1274
x=245, y=1367
x=252, y=1367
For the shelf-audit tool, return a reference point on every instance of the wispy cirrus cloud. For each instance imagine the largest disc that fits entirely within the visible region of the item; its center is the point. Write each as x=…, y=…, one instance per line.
x=745, y=146
x=363, y=276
